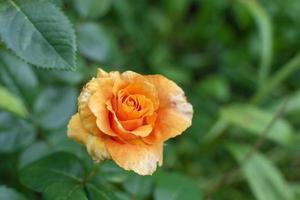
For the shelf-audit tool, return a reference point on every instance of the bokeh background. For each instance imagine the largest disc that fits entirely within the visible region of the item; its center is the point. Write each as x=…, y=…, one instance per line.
x=237, y=61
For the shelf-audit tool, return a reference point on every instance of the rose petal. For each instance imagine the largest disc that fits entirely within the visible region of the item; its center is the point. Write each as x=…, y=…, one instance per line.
x=132, y=124
x=98, y=108
x=138, y=156
x=142, y=131
x=96, y=148
x=76, y=130
x=174, y=114
x=136, y=84
x=86, y=116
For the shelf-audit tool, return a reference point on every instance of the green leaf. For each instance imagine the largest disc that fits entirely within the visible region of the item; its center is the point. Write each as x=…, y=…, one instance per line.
x=265, y=30
x=10, y=194
x=14, y=133
x=54, y=106
x=11, y=103
x=57, y=176
x=293, y=103
x=113, y=173
x=18, y=76
x=173, y=186
x=34, y=152
x=139, y=186
x=95, y=193
x=92, y=8
x=39, y=33
x=283, y=73
x=66, y=189
x=94, y=42
x=255, y=120
x=264, y=178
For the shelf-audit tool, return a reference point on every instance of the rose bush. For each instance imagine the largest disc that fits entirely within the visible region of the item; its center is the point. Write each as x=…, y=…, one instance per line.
x=127, y=117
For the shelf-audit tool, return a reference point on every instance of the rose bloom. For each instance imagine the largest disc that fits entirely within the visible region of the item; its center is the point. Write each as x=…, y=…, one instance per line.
x=127, y=117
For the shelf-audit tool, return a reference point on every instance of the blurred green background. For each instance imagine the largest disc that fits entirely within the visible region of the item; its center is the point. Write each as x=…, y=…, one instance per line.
x=237, y=61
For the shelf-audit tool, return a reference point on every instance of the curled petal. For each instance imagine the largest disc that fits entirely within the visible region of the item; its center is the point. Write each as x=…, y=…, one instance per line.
x=135, y=83
x=118, y=127
x=174, y=114
x=137, y=156
x=98, y=107
x=76, y=130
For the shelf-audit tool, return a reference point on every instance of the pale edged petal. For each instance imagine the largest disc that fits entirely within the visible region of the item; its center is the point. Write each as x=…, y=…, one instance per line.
x=174, y=114
x=96, y=148
x=137, y=156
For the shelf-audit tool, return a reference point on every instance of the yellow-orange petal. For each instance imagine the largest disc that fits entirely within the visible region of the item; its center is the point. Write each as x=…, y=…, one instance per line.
x=174, y=114
x=98, y=107
x=96, y=148
x=76, y=130
x=101, y=73
x=137, y=156
x=86, y=116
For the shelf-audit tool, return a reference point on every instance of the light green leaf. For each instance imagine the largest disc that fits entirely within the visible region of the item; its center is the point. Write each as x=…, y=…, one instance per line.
x=293, y=103
x=255, y=120
x=92, y=8
x=12, y=103
x=174, y=186
x=10, y=194
x=14, y=133
x=282, y=74
x=265, y=31
x=39, y=33
x=54, y=106
x=18, y=76
x=264, y=178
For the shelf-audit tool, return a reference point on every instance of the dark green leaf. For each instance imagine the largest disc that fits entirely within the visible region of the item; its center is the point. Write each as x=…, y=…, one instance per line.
x=55, y=106
x=34, y=152
x=139, y=186
x=58, y=176
x=96, y=193
x=39, y=33
x=173, y=186
x=14, y=133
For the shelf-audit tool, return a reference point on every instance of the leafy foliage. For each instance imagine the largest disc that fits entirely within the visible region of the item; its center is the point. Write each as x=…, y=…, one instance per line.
x=39, y=33
x=238, y=62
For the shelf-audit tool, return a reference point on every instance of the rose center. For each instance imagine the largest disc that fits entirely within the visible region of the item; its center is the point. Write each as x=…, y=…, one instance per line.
x=132, y=106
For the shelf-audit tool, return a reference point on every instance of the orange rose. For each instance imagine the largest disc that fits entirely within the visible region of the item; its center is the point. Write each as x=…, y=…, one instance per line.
x=127, y=117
